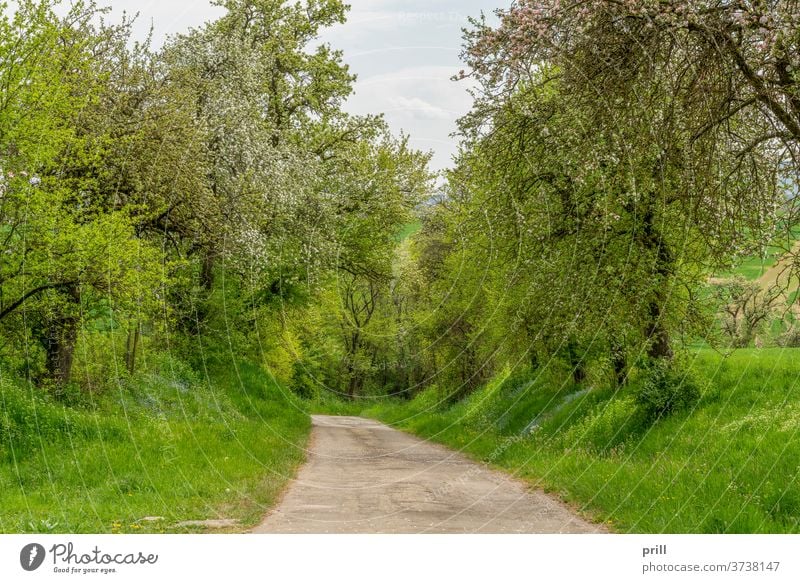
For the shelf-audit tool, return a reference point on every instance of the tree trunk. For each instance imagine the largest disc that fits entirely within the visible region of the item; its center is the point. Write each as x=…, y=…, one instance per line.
x=353, y=387
x=533, y=359
x=576, y=362
x=619, y=362
x=352, y=374
x=60, y=340
x=656, y=330
x=131, y=347
x=207, y=270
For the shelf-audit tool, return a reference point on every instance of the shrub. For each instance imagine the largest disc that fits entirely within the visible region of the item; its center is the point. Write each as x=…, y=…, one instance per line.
x=790, y=338
x=665, y=388
x=305, y=383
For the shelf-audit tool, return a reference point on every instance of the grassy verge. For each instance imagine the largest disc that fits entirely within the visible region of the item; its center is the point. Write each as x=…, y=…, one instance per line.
x=729, y=465
x=170, y=445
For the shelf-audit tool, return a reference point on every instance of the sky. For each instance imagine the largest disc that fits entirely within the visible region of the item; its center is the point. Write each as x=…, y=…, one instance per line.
x=404, y=53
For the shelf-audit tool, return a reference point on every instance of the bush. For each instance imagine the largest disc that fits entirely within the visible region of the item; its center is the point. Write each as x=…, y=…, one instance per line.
x=305, y=383
x=666, y=388
x=789, y=339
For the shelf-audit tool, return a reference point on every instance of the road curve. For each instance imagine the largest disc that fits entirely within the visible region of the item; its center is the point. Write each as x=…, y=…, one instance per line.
x=364, y=477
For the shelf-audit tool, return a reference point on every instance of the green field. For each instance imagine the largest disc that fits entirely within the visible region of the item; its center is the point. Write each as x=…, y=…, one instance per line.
x=409, y=230
x=172, y=445
x=753, y=267
x=731, y=465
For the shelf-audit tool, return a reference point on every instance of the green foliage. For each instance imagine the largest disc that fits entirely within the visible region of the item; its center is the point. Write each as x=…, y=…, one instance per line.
x=664, y=389
x=304, y=382
x=197, y=240
x=167, y=217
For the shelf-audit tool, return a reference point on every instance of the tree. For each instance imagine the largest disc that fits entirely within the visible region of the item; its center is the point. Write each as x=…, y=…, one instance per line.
x=261, y=94
x=627, y=144
x=746, y=308
x=63, y=245
x=731, y=58
x=380, y=181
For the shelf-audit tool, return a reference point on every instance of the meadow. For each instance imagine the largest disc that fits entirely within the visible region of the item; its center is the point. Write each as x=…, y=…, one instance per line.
x=167, y=446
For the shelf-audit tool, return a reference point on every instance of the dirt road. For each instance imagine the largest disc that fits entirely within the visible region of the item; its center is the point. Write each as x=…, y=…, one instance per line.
x=364, y=477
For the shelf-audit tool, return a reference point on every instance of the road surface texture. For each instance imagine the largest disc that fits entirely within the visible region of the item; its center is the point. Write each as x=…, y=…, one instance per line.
x=364, y=477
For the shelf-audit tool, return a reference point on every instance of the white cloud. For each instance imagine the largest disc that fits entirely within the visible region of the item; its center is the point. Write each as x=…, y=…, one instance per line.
x=405, y=53
x=418, y=108
x=420, y=101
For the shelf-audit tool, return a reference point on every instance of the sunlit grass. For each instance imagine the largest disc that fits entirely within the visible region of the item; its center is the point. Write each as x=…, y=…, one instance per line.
x=166, y=448
x=731, y=465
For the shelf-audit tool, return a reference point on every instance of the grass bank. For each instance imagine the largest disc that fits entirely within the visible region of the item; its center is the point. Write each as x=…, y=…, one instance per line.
x=170, y=444
x=729, y=465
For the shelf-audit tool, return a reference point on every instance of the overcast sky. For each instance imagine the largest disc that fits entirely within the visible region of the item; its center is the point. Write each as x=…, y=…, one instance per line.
x=403, y=51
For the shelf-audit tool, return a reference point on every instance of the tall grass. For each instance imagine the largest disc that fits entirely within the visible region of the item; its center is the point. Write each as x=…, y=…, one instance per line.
x=729, y=464
x=169, y=444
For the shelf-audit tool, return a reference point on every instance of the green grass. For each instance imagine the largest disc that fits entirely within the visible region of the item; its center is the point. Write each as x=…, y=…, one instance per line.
x=731, y=465
x=753, y=267
x=334, y=405
x=185, y=447
x=409, y=230
x=176, y=446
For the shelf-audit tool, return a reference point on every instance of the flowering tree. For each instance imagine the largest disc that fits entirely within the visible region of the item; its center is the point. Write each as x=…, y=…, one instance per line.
x=673, y=122
x=301, y=196
x=735, y=56
x=261, y=94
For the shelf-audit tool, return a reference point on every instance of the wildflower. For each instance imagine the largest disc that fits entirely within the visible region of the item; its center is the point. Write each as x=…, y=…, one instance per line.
x=35, y=181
